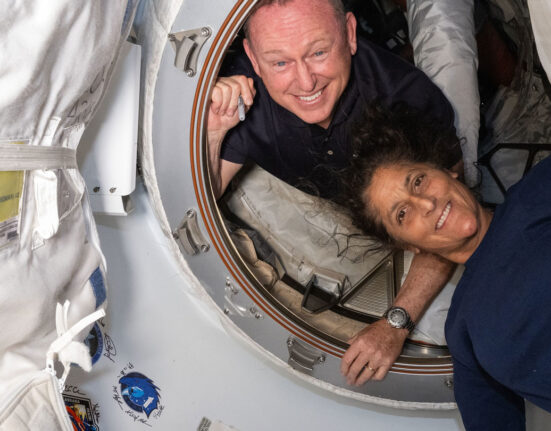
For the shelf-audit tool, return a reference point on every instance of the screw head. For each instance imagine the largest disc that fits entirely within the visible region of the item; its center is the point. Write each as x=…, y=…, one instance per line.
x=96, y=189
x=205, y=31
x=190, y=73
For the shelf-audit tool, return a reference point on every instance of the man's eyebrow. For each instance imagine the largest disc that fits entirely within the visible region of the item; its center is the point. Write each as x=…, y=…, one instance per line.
x=309, y=46
x=406, y=185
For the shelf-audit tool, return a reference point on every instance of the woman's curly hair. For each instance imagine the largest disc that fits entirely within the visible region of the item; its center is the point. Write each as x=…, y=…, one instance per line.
x=384, y=137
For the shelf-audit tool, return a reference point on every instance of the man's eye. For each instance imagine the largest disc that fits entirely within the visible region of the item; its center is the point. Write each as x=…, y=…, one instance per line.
x=280, y=63
x=400, y=215
x=319, y=53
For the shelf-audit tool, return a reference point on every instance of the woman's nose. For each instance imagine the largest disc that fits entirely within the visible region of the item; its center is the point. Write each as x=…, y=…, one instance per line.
x=426, y=204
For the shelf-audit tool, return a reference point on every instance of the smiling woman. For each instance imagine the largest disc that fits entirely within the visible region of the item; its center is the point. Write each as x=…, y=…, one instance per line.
x=425, y=208
x=420, y=206
x=384, y=138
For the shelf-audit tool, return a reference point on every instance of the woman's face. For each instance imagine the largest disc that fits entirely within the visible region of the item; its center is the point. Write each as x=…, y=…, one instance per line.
x=426, y=209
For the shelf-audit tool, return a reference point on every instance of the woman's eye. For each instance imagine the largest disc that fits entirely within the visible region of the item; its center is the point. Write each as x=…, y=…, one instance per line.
x=418, y=181
x=319, y=53
x=401, y=215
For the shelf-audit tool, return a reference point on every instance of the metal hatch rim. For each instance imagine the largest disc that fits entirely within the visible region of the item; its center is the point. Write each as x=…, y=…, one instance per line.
x=206, y=201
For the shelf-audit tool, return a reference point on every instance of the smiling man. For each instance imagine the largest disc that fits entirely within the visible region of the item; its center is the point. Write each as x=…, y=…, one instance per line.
x=310, y=78
x=305, y=80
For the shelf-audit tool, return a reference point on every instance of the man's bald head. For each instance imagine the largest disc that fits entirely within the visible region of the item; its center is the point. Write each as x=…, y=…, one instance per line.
x=336, y=5
x=302, y=50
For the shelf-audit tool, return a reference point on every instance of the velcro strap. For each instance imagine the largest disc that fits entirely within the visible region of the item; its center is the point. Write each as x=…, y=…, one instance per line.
x=32, y=157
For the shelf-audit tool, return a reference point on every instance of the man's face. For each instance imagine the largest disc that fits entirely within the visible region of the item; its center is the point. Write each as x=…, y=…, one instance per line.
x=426, y=208
x=303, y=55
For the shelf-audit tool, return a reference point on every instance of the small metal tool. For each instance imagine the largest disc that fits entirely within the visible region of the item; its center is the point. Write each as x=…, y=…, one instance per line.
x=241, y=108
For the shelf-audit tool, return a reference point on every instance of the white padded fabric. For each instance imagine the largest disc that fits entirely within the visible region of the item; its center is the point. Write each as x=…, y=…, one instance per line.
x=55, y=63
x=540, y=15
x=35, y=406
x=443, y=37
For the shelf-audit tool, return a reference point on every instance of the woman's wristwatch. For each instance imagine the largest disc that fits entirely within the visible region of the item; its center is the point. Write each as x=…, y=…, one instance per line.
x=399, y=318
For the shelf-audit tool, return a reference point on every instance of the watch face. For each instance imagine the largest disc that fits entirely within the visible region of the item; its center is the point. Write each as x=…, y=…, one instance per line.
x=397, y=318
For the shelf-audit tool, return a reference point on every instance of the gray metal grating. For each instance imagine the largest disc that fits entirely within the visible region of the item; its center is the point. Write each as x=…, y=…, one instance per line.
x=375, y=294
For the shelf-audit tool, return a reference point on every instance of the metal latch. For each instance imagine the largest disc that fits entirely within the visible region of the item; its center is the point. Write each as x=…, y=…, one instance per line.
x=302, y=356
x=324, y=290
x=187, y=46
x=189, y=235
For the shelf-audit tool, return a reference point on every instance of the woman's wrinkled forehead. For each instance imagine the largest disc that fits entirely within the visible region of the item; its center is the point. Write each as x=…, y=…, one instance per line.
x=386, y=183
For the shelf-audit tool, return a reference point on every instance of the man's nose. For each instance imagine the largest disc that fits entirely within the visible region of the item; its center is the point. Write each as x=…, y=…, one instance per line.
x=425, y=204
x=305, y=78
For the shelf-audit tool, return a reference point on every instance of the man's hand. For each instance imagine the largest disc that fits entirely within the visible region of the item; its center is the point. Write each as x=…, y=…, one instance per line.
x=372, y=352
x=377, y=346
x=223, y=116
x=223, y=102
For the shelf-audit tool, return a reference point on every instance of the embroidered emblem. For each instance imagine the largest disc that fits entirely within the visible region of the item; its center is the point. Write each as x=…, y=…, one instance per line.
x=81, y=413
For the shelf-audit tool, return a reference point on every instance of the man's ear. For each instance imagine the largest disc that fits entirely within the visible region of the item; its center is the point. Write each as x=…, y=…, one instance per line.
x=250, y=53
x=351, y=32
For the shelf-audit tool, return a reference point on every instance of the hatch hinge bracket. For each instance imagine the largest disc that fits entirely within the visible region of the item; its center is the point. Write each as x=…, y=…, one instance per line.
x=187, y=45
x=302, y=356
x=190, y=238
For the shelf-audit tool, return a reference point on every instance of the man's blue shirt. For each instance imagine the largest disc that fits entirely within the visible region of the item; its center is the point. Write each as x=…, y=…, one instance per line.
x=301, y=153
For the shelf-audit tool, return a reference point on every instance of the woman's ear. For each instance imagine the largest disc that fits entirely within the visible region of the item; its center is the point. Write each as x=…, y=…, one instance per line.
x=413, y=249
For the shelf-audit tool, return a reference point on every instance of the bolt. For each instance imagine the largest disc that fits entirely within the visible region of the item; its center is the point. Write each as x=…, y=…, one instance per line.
x=190, y=213
x=321, y=359
x=290, y=342
x=228, y=281
x=190, y=73
x=449, y=383
x=226, y=311
x=205, y=31
x=96, y=189
x=258, y=316
x=112, y=190
x=252, y=310
x=205, y=248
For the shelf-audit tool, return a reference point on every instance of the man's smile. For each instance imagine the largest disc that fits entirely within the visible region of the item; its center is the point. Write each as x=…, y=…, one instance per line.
x=312, y=98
